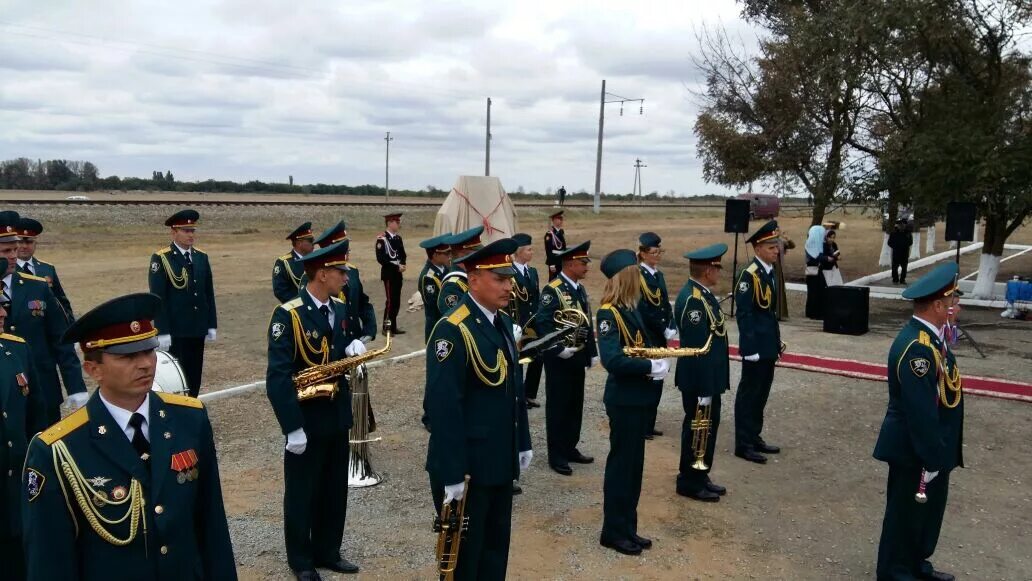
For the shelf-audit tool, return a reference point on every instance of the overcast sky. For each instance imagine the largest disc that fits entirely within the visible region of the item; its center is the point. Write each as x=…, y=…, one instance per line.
x=263, y=89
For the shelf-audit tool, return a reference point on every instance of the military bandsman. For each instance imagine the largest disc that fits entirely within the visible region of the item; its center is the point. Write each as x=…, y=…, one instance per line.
x=526, y=289
x=288, y=271
x=309, y=330
x=921, y=437
x=22, y=414
x=701, y=380
x=438, y=260
x=34, y=313
x=632, y=390
x=759, y=338
x=127, y=486
x=390, y=253
x=361, y=314
x=180, y=274
x=455, y=285
x=565, y=366
x=477, y=413
x=555, y=244
x=28, y=231
x=654, y=303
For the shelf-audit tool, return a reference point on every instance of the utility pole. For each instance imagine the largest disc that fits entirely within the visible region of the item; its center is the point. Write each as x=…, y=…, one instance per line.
x=601, y=125
x=387, y=171
x=637, y=190
x=487, y=141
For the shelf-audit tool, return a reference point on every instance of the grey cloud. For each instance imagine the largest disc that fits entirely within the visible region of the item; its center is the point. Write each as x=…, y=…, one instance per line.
x=37, y=54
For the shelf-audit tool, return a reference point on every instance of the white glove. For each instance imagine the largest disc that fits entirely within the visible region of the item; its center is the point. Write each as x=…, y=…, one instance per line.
x=930, y=475
x=396, y=262
x=164, y=342
x=669, y=334
x=706, y=400
x=660, y=368
x=297, y=441
x=594, y=361
x=454, y=492
x=77, y=400
x=211, y=336
x=567, y=352
x=517, y=332
x=366, y=339
x=525, y=458
x=753, y=357
x=356, y=347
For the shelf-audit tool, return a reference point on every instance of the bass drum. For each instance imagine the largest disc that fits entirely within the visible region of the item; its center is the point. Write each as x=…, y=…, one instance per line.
x=168, y=376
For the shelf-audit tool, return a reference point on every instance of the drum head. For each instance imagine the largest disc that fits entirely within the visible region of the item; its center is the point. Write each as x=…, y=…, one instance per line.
x=168, y=376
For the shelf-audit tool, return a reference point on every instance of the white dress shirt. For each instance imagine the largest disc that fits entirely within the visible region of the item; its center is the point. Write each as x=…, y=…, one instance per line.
x=766, y=267
x=185, y=251
x=648, y=268
x=121, y=417
x=569, y=282
x=27, y=264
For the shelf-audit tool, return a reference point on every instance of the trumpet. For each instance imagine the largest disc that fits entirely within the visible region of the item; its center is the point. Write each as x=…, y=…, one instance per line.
x=450, y=526
x=701, y=426
x=321, y=380
x=663, y=352
x=573, y=319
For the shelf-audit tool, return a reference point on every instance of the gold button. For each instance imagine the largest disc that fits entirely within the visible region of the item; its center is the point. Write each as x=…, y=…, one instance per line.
x=164, y=550
x=159, y=509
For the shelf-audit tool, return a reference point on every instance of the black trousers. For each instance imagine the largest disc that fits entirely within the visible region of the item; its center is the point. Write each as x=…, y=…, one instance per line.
x=190, y=353
x=12, y=555
x=564, y=407
x=621, y=488
x=899, y=263
x=654, y=410
x=815, y=287
x=392, y=290
x=532, y=377
x=910, y=530
x=484, y=553
x=750, y=401
x=689, y=479
x=315, y=501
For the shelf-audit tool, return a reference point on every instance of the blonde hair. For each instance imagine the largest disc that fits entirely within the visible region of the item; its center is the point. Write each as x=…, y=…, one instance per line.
x=622, y=289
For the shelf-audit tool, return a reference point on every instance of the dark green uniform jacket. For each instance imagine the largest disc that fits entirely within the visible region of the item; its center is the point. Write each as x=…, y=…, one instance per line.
x=22, y=415
x=300, y=336
x=187, y=293
x=528, y=295
x=48, y=271
x=454, y=286
x=476, y=428
x=187, y=536
x=756, y=299
x=286, y=276
x=654, y=304
x=628, y=382
x=429, y=290
x=556, y=295
x=919, y=430
x=361, y=314
x=39, y=318
x=698, y=317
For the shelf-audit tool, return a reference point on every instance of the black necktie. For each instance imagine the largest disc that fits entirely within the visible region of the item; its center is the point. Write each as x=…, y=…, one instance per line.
x=26, y=268
x=189, y=259
x=325, y=310
x=140, y=443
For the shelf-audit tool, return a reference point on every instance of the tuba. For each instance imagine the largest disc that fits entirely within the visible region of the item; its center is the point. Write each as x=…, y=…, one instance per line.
x=321, y=380
x=360, y=470
x=567, y=319
x=450, y=527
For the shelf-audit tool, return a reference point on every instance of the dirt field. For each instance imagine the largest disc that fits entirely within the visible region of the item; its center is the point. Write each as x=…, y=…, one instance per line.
x=812, y=513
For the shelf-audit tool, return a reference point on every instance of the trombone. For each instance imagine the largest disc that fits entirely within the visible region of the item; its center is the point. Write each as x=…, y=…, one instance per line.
x=451, y=525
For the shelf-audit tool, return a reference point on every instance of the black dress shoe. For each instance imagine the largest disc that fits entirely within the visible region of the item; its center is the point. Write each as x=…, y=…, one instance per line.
x=703, y=495
x=312, y=575
x=656, y=432
x=751, y=455
x=397, y=332
x=938, y=576
x=580, y=458
x=766, y=448
x=649, y=436
x=563, y=469
x=531, y=404
x=716, y=488
x=621, y=546
x=516, y=489
x=642, y=541
x=341, y=566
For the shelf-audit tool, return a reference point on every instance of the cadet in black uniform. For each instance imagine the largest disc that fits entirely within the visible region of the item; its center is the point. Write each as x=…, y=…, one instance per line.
x=565, y=366
x=630, y=396
x=288, y=270
x=759, y=338
x=654, y=304
x=555, y=244
x=390, y=253
x=361, y=314
x=477, y=413
x=438, y=259
x=34, y=314
x=180, y=275
x=922, y=436
x=22, y=414
x=138, y=493
x=310, y=330
x=702, y=380
x=28, y=231
x=527, y=290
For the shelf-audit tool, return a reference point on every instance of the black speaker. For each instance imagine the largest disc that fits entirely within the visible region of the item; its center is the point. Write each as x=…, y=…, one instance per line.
x=960, y=221
x=736, y=216
x=846, y=309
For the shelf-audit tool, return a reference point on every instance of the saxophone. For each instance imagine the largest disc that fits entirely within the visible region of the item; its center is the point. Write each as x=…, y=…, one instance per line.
x=321, y=380
x=450, y=527
x=663, y=352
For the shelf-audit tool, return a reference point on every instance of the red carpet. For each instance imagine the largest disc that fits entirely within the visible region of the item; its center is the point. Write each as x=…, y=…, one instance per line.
x=985, y=386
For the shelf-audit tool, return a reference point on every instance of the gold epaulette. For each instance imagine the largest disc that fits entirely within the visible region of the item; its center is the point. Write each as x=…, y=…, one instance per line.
x=341, y=298
x=180, y=400
x=163, y=250
x=43, y=262
x=351, y=266
x=292, y=304
x=459, y=315
x=65, y=426
x=196, y=249
x=11, y=337
x=556, y=282
x=285, y=257
x=751, y=267
x=696, y=293
x=34, y=277
x=924, y=339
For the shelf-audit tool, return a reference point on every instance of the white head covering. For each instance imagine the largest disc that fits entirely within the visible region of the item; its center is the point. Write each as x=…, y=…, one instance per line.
x=815, y=241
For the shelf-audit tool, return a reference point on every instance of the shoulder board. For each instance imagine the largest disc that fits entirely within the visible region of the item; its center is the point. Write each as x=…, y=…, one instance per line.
x=43, y=262
x=337, y=299
x=163, y=250
x=181, y=400
x=751, y=267
x=556, y=282
x=65, y=426
x=11, y=337
x=380, y=236
x=459, y=315
x=33, y=277
x=351, y=266
x=606, y=307
x=196, y=249
x=924, y=339
x=285, y=256
x=292, y=304
x=696, y=293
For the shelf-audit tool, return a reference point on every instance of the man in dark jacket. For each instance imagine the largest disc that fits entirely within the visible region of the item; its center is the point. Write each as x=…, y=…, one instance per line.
x=900, y=241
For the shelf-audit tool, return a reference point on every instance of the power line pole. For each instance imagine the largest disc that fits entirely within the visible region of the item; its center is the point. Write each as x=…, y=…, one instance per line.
x=387, y=171
x=601, y=126
x=637, y=189
x=487, y=141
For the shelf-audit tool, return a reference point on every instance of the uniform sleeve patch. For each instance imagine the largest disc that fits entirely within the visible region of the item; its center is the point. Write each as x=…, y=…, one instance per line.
x=920, y=366
x=451, y=300
x=430, y=289
x=154, y=266
x=743, y=287
x=695, y=317
x=34, y=481
x=442, y=349
x=604, y=327
x=277, y=330
x=276, y=269
x=546, y=299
